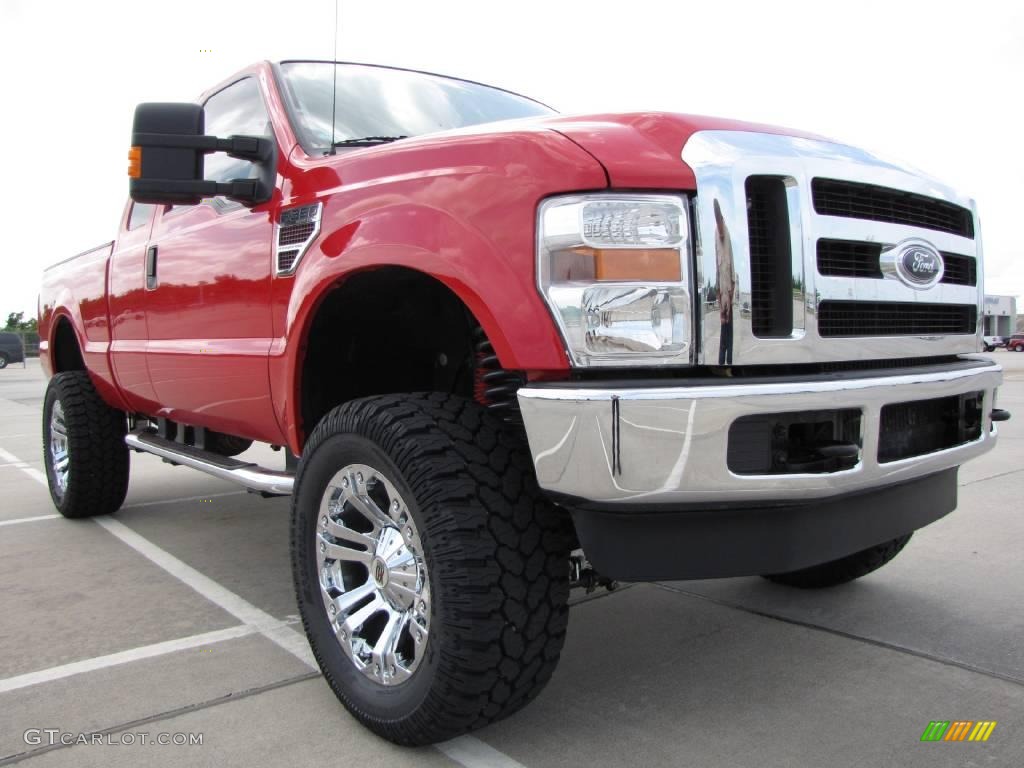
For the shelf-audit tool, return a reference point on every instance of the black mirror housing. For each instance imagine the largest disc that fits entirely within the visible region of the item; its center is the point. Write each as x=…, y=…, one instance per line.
x=166, y=159
x=157, y=163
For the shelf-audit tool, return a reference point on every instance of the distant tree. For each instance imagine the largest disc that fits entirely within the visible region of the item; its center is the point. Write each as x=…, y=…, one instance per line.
x=16, y=322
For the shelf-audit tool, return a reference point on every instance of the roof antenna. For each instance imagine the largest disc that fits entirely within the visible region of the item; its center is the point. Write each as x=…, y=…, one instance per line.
x=334, y=87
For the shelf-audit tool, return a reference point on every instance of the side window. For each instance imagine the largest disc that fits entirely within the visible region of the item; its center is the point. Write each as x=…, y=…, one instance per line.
x=237, y=110
x=140, y=215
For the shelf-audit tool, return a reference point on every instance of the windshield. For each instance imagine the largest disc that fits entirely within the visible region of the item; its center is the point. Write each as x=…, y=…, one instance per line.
x=377, y=102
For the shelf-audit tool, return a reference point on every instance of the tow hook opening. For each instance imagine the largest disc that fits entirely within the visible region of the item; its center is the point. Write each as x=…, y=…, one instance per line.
x=790, y=443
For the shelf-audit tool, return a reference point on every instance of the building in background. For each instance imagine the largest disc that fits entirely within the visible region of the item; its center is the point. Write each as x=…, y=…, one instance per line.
x=1000, y=315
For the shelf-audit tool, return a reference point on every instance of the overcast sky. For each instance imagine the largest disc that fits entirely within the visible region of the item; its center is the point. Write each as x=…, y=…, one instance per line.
x=936, y=84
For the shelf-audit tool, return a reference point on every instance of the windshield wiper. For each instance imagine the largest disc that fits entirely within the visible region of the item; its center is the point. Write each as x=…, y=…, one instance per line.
x=367, y=141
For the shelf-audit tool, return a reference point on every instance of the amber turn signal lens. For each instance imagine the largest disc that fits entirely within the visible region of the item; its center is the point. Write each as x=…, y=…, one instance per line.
x=135, y=162
x=658, y=265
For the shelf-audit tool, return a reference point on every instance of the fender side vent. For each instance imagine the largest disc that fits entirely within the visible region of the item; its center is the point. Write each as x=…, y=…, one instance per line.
x=295, y=232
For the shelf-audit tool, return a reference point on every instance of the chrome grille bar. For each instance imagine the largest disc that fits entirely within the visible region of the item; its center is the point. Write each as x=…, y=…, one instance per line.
x=723, y=161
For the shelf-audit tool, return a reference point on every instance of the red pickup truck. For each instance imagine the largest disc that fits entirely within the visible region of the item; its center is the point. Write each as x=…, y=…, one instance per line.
x=509, y=352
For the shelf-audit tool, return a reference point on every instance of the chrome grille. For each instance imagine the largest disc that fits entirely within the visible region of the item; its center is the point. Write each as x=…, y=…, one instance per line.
x=762, y=272
x=852, y=222
x=854, y=200
x=891, y=318
x=848, y=258
x=770, y=257
x=960, y=270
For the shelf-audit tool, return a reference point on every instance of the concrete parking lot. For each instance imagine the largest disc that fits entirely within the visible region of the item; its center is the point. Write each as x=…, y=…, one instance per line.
x=176, y=616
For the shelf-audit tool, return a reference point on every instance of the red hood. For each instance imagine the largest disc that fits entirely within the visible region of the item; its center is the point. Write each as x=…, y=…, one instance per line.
x=637, y=150
x=642, y=149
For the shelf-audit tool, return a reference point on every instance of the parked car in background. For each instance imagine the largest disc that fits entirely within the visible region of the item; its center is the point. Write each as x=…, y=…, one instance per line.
x=1015, y=343
x=989, y=343
x=11, y=349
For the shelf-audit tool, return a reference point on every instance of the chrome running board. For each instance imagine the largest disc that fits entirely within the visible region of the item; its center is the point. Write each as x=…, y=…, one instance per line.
x=245, y=473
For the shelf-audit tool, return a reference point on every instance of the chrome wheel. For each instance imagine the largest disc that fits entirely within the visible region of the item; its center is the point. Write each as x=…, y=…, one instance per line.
x=373, y=579
x=60, y=462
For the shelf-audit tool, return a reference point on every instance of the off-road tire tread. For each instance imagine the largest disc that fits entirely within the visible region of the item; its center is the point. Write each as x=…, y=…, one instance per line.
x=494, y=545
x=98, y=480
x=843, y=570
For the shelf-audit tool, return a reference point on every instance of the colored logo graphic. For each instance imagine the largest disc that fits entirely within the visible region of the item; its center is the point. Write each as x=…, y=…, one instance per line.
x=958, y=730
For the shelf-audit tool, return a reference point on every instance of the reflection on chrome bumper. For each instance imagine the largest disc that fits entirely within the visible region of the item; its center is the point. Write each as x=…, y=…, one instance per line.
x=667, y=445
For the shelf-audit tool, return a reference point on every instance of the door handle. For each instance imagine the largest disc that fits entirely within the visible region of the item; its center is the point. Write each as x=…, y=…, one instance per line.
x=151, y=268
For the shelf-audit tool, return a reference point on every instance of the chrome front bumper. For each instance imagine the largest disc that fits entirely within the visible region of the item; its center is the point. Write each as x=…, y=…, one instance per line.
x=664, y=445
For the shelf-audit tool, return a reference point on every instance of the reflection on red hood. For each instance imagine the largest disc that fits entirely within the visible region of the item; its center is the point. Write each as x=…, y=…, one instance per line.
x=642, y=149
x=637, y=150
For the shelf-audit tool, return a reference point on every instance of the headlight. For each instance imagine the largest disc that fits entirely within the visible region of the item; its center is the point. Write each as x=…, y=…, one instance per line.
x=614, y=270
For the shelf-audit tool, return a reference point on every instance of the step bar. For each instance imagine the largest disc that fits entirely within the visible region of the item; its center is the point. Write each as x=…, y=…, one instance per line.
x=245, y=473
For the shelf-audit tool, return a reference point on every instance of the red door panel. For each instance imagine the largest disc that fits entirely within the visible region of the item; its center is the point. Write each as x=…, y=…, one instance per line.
x=127, y=306
x=209, y=318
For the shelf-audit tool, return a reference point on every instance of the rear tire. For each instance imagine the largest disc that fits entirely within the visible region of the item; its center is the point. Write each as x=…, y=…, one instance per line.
x=226, y=445
x=84, y=452
x=3, y=360
x=485, y=554
x=844, y=569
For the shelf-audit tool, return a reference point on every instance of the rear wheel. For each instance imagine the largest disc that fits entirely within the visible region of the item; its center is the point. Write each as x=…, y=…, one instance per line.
x=844, y=569
x=84, y=451
x=3, y=360
x=431, y=574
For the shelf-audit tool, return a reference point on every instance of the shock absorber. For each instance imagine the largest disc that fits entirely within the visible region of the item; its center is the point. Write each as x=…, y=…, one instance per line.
x=493, y=386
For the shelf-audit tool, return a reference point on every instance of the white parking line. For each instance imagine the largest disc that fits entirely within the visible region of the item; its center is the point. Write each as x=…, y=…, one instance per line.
x=28, y=519
x=220, y=596
x=473, y=753
x=17, y=463
x=467, y=751
x=123, y=657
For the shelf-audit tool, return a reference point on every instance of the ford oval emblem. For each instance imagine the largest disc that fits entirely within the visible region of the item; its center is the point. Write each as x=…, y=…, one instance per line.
x=919, y=265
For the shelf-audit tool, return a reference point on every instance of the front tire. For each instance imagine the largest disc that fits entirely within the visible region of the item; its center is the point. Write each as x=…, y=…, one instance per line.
x=84, y=452
x=3, y=360
x=844, y=569
x=431, y=575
